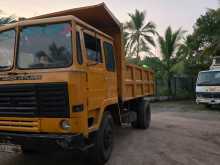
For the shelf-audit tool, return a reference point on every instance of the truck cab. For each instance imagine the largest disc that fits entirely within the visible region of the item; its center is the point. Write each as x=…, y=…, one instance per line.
x=208, y=85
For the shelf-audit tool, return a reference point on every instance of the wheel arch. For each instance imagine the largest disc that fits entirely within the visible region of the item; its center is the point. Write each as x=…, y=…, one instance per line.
x=114, y=111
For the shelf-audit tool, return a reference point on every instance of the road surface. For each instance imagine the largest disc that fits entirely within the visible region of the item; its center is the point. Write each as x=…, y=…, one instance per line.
x=181, y=133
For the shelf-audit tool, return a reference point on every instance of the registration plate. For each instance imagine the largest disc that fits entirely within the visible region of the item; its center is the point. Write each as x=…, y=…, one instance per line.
x=9, y=148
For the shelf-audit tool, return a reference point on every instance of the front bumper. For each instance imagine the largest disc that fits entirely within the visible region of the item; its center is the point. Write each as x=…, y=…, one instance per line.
x=46, y=141
x=210, y=101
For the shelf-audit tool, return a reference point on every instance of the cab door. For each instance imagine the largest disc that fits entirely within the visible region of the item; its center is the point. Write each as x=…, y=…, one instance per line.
x=95, y=71
x=110, y=73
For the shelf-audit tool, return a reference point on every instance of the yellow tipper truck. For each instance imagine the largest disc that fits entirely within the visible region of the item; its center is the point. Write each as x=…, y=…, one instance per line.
x=64, y=83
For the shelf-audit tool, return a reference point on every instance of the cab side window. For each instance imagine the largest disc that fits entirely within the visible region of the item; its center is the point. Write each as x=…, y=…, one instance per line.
x=79, y=48
x=93, y=47
x=109, y=56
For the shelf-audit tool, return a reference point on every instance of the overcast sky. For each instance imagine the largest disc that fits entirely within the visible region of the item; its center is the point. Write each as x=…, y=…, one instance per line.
x=177, y=13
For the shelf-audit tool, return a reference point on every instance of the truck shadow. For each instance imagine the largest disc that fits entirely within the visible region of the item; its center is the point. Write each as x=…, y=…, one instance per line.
x=64, y=158
x=214, y=108
x=58, y=158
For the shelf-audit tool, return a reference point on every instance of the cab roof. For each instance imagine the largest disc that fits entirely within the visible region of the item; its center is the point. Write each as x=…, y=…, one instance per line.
x=101, y=18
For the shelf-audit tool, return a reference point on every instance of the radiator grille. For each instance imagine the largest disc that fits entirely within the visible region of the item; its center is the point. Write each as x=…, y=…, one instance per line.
x=34, y=100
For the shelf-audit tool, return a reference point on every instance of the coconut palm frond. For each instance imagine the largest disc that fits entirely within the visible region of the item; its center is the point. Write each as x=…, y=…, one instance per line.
x=139, y=35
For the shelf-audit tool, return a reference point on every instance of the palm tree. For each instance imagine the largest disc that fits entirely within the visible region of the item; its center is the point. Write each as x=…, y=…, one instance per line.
x=139, y=34
x=170, y=45
x=125, y=41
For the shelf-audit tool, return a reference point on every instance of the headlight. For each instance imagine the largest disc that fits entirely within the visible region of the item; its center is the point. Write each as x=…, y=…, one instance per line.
x=64, y=124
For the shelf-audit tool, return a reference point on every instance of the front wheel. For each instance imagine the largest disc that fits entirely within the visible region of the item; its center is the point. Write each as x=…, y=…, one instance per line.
x=103, y=142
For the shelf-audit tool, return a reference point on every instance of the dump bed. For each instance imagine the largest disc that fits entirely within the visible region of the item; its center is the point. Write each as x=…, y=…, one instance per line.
x=138, y=82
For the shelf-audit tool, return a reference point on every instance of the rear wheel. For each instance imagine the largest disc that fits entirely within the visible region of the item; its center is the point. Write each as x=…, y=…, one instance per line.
x=103, y=142
x=143, y=115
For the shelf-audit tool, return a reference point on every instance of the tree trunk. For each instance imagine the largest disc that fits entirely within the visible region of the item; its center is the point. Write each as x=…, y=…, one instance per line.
x=138, y=45
x=169, y=77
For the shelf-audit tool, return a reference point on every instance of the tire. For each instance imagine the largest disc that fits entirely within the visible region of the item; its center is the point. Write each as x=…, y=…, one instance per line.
x=143, y=115
x=103, y=142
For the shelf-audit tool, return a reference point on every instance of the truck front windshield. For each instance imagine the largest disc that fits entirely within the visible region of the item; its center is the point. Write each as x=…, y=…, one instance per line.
x=7, y=43
x=45, y=46
x=209, y=78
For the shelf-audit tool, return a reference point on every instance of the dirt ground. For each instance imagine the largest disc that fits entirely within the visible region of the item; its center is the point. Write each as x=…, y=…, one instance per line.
x=181, y=133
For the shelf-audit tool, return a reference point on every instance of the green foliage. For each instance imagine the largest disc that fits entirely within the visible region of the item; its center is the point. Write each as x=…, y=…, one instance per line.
x=184, y=94
x=207, y=31
x=180, y=56
x=138, y=36
x=205, y=40
x=154, y=63
x=200, y=46
x=170, y=46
